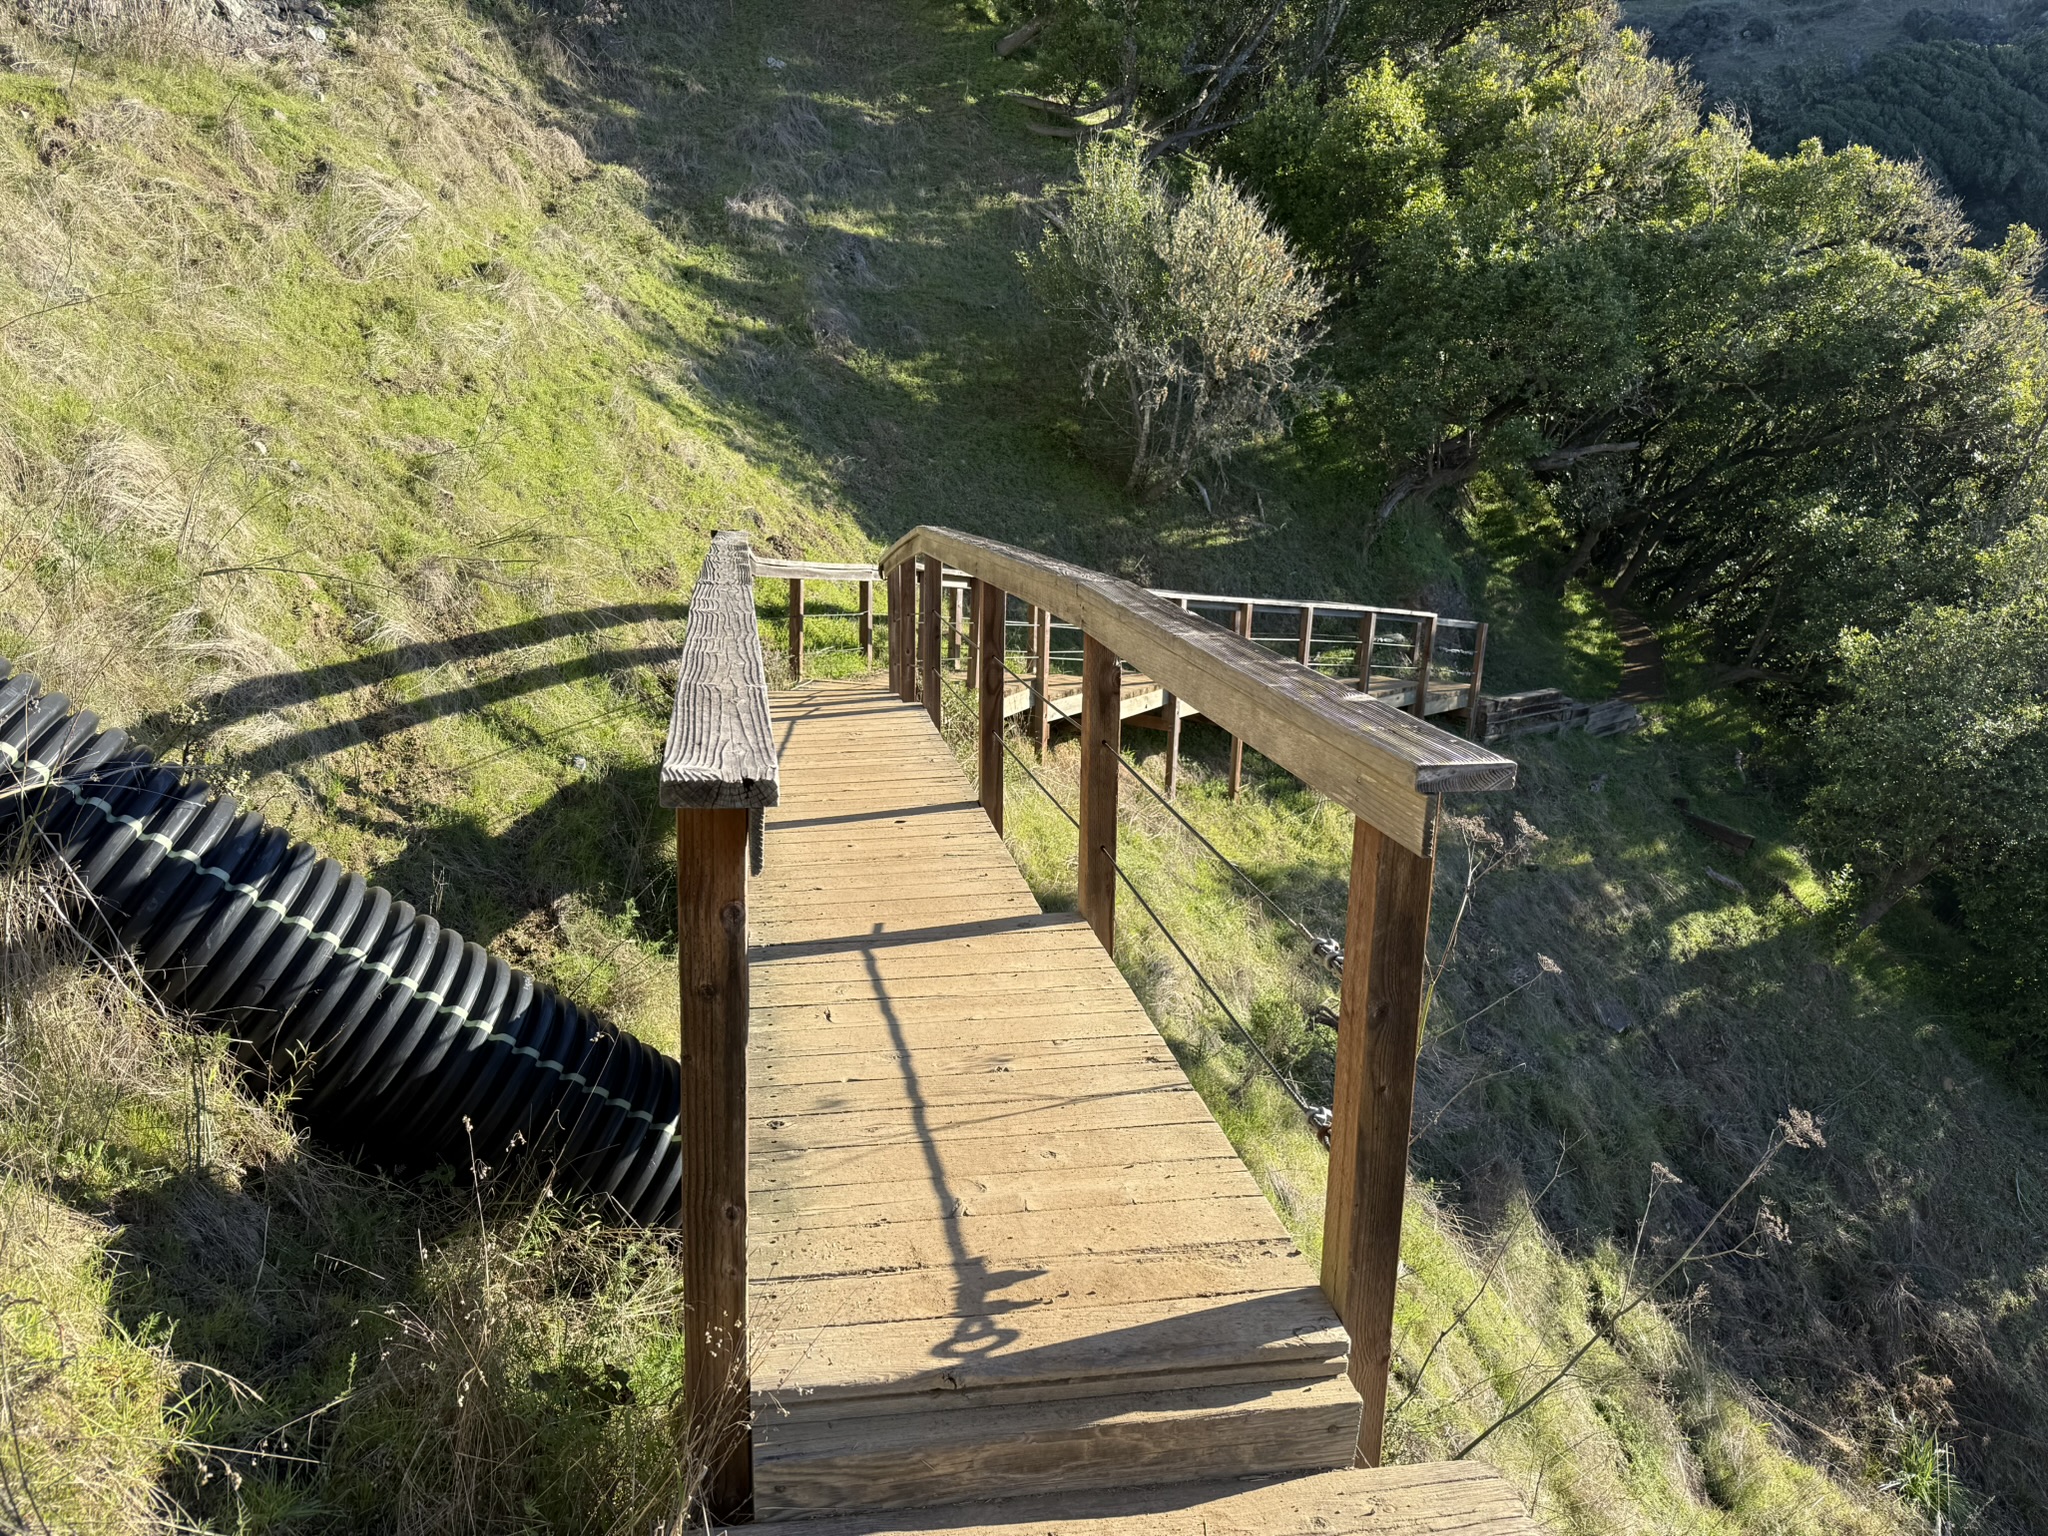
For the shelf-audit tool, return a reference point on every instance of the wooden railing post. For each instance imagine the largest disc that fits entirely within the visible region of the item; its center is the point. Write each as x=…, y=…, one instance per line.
x=903, y=631
x=1379, y=1031
x=711, y=918
x=928, y=637
x=989, y=606
x=1425, y=645
x=1102, y=727
x=796, y=628
x=867, y=622
x=953, y=598
x=1305, y=644
x=1041, y=643
x=718, y=771
x=1244, y=627
x=1170, y=707
x=1475, y=725
x=1368, y=637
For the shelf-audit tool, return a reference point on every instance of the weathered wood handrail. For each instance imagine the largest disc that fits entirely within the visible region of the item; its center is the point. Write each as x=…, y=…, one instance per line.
x=1371, y=758
x=718, y=771
x=1387, y=767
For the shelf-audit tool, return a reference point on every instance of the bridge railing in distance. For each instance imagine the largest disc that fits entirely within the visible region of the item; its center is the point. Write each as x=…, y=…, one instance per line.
x=718, y=771
x=796, y=573
x=1387, y=767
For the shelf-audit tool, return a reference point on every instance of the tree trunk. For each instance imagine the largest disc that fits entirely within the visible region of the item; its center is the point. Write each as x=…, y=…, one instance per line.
x=1894, y=886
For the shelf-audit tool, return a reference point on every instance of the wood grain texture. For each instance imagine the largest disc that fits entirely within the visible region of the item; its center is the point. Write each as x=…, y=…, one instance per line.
x=1102, y=728
x=903, y=633
x=867, y=620
x=1041, y=673
x=711, y=944
x=990, y=1215
x=766, y=569
x=989, y=606
x=928, y=600
x=1425, y=653
x=1363, y=753
x=1430, y=1499
x=1379, y=1031
x=1242, y=620
x=796, y=627
x=720, y=754
x=1475, y=720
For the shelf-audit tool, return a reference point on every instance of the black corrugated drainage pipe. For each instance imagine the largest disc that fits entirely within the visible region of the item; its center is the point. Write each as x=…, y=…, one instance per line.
x=405, y=1042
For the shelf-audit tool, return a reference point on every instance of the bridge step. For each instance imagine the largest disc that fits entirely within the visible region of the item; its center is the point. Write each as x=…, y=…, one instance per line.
x=997, y=1243
x=1440, y=1498
x=947, y=1450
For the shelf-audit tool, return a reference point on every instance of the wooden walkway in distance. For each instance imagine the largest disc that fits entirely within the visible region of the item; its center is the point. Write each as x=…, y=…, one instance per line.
x=1142, y=696
x=998, y=1246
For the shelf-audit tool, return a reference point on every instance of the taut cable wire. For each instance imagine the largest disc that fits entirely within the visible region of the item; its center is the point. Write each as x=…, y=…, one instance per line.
x=1318, y=1117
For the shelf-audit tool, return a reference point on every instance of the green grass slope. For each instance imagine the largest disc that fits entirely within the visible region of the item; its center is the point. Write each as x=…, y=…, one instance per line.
x=364, y=412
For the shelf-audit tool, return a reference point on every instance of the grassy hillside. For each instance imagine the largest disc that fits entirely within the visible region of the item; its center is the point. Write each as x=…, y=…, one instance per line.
x=365, y=408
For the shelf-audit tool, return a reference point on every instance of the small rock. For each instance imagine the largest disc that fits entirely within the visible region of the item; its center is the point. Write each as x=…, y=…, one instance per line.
x=580, y=764
x=774, y=63
x=1615, y=1017
x=319, y=35
x=276, y=116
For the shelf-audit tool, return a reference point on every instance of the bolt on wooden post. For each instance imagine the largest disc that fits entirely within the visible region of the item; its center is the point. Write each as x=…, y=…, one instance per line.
x=1379, y=1032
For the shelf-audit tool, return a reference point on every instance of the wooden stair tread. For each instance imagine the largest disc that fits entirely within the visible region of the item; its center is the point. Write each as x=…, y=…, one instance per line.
x=956, y=1445
x=1430, y=1499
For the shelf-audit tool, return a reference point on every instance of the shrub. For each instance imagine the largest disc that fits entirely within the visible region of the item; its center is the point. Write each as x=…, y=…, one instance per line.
x=1196, y=315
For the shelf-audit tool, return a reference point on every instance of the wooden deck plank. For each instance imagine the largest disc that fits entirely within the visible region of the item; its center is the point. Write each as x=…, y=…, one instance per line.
x=1430, y=1500
x=980, y=1180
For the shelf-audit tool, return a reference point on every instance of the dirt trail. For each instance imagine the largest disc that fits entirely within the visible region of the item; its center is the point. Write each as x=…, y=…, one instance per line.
x=1642, y=654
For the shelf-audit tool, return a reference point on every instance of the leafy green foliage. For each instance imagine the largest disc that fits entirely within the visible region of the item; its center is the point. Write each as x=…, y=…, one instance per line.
x=1977, y=116
x=1936, y=761
x=1195, y=315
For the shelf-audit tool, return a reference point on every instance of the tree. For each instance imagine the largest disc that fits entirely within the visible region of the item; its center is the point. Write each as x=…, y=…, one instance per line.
x=1936, y=758
x=1195, y=315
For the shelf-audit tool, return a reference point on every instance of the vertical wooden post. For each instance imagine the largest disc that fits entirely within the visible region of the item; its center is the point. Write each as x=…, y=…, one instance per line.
x=928, y=639
x=867, y=622
x=1041, y=715
x=1102, y=730
x=711, y=919
x=1368, y=637
x=989, y=606
x=796, y=628
x=1305, y=645
x=1379, y=1031
x=1244, y=627
x=953, y=596
x=1475, y=725
x=1170, y=706
x=903, y=630
x=1425, y=644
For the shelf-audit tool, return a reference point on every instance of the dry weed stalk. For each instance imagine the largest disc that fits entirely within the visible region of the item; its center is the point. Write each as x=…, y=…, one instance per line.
x=1797, y=1128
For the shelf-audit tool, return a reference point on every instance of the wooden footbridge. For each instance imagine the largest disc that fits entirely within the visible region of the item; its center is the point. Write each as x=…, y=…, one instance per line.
x=964, y=1249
